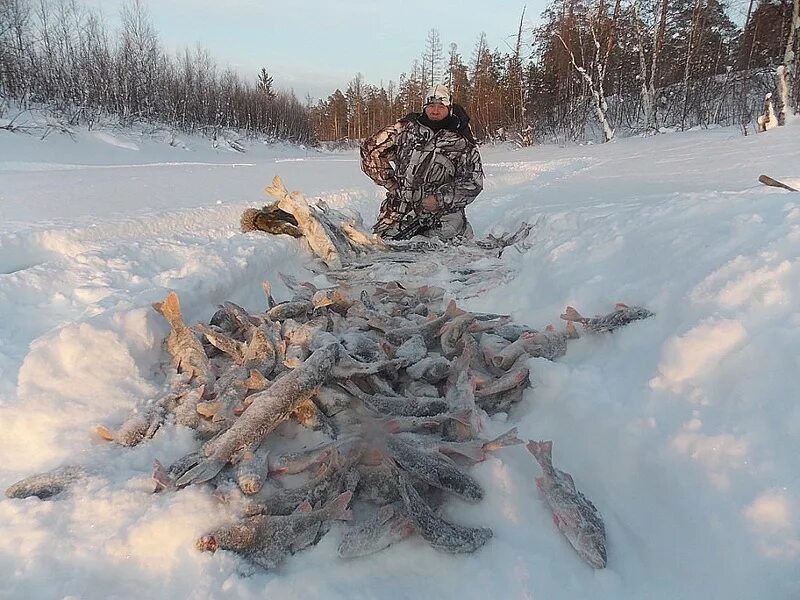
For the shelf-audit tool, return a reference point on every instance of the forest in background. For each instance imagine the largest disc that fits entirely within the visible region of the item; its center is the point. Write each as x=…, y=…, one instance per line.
x=590, y=70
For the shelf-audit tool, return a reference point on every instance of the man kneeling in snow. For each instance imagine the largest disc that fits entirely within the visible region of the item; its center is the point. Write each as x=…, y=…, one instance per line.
x=437, y=171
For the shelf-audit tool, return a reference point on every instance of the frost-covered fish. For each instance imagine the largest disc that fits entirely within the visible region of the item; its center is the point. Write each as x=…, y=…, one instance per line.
x=472, y=450
x=517, y=376
x=266, y=540
x=573, y=513
x=187, y=352
x=440, y=534
x=46, y=485
x=398, y=405
x=289, y=310
x=267, y=410
x=622, y=315
x=549, y=344
x=434, y=468
x=333, y=478
x=221, y=341
x=389, y=525
x=143, y=423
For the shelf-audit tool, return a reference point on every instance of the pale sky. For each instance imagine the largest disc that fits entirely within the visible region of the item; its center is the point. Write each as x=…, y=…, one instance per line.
x=315, y=46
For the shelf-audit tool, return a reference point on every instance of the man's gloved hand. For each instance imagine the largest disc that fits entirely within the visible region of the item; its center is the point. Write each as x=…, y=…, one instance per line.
x=430, y=203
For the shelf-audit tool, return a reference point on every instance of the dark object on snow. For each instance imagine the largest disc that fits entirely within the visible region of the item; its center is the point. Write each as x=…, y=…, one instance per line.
x=767, y=180
x=270, y=219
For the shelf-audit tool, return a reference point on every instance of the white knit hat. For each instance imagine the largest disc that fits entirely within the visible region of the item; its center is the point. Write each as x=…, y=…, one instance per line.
x=438, y=94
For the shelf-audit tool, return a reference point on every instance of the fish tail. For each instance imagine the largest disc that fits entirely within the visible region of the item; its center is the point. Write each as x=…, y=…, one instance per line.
x=452, y=309
x=509, y=438
x=570, y=314
x=104, y=433
x=337, y=508
x=542, y=451
x=170, y=309
x=203, y=471
x=277, y=190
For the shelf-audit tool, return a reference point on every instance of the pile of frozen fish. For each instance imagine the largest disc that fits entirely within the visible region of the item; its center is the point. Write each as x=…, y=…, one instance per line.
x=359, y=402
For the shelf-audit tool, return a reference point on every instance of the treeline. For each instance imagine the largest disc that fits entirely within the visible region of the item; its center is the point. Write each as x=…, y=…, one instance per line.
x=61, y=54
x=593, y=67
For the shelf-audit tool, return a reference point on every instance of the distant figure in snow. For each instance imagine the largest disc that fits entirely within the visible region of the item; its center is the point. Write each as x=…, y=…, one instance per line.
x=437, y=171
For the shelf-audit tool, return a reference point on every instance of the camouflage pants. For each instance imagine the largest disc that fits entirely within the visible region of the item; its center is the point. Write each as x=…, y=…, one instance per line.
x=398, y=218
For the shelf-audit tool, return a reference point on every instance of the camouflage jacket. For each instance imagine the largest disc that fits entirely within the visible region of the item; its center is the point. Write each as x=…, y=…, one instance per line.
x=421, y=162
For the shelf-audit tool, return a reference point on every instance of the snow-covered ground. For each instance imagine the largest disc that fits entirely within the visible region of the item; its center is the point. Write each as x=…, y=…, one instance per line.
x=684, y=429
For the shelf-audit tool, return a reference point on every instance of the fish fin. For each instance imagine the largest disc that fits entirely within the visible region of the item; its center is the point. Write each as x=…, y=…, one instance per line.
x=267, y=287
x=542, y=451
x=473, y=450
x=277, y=190
x=170, y=309
x=550, y=328
x=161, y=477
x=452, y=310
x=337, y=509
x=203, y=471
x=572, y=333
x=509, y=438
x=570, y=314
x=105, y=433
x=463, y=415
x=256, y=381
x=621, y=306
x=303, y=507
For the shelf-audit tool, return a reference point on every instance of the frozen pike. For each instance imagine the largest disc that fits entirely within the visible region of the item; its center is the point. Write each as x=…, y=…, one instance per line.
x=434, y=468
x=46, y=485
x=622, y=315
x=266, y=540
x=187, y=352
x=573, y=513
x=440, y=534
x=267, y=410
x=389, y=525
